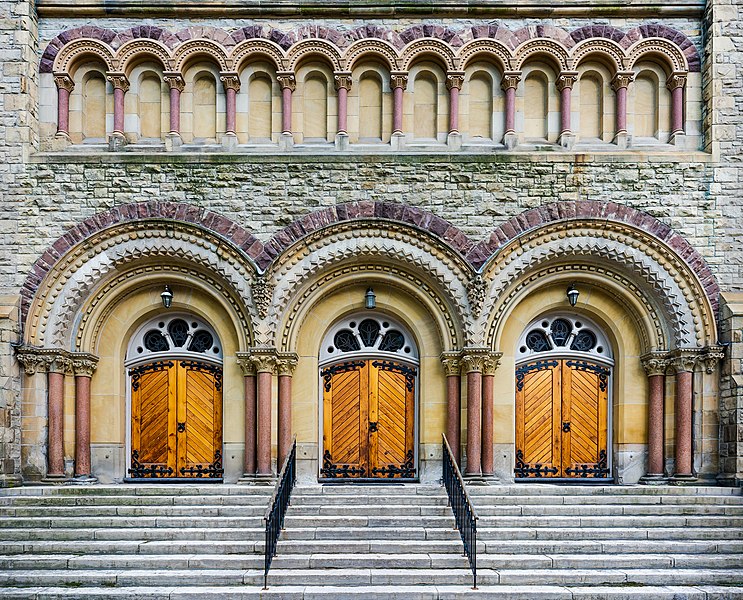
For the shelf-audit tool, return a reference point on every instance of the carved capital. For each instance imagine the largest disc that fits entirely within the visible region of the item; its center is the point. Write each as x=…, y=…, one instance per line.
x=510, y=79
x=473, y=359
x=83, y=364
x=246, y=363
x=399, y=79
x=685, y=359
x=286, y=80
x=342, y=79
x=476, y=288
x=622, y=80
x=262, y=294
x=711, y=358
x=64, y=82
x=677, y=79
x=286, y=362
x=174, y=80
x=118, y=80
x=264, y=359
x=566, y=79
x=230, y=81
x=44, y=360
x=454, y=79
x=490, y=363
x=450, y=362
x=655, y=363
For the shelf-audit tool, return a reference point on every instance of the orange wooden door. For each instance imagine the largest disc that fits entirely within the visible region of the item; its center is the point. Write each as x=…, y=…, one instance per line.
x=368, y=420
x=561, y=419
x=176, y=420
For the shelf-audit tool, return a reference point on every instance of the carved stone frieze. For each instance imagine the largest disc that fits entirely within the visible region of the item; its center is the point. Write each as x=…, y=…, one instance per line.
x=42, y=360
x=476, y=291
x=262, y=295
x=685, y=359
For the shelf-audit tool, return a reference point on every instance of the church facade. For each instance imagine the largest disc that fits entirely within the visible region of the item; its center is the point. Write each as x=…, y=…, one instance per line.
x=229, y=227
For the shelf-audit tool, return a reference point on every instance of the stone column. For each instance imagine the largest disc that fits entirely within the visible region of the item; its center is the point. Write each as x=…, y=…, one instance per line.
x=509, y=83
x=398, y=82
x=564, y=83
x=619, y=84
x=65, y=85
x=454, y=82
x=56, y=370
x=83, y=366
x=286, y=365
x=249, y=394
x=231, y=83
x=176, y=84
x=343, y=82
x=450, y=362
x=676, y=83
x=683, y=364
x=655, y=366
x=288, y=84
x=490, y=364
x=472, y=363
x=265, y=365
x=121, y=86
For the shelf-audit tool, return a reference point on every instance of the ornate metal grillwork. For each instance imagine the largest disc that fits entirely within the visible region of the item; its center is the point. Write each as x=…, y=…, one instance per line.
x=368, y=330
x=523, y=469
x=196, y=365
x=602, y=372
x=137, y=372
x=346, y=341
x=560, y=331
x=154, y=341
x=392, y=341
x=584, y=341
x=178, y=330
x=407, y=469
x=327, y=374
x=139, y=469
x=201, y=341
x=332, y=470
x=409, y=372
x=213, y=471
x=600, y=469
x=538, y=365
x=537, y=341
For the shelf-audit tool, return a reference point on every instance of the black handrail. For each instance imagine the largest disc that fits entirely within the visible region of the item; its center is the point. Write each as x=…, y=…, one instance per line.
x=461, y=505
x=274, y=517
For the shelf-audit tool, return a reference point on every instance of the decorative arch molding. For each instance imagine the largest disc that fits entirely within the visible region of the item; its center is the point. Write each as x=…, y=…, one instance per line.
x=370, y=49
x=255, y=49
x=58, y=308
x=136, y=50
x=80, y=50
x=429, y=48
x=486, y=49
x=555, y=53
x=226, y=235
x=194, y=49
x=342, y=47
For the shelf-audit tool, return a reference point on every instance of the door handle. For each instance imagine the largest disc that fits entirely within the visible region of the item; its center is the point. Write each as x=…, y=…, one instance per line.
x=373, y=426
x=566, y=426
x=181, y=427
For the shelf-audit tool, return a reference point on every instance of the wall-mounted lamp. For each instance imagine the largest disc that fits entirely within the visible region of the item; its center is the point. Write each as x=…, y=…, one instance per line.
x=370, y=300
x=167, y=297
x=572, y=294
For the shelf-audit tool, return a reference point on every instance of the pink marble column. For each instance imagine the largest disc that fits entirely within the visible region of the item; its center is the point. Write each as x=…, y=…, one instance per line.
x=398, y=82
x=286, y=366
x=121, y=85
x=473, y=365
x=342, y=85
x=249, y=396
x=265, y=363
x=684, y=454
x=83, y=366
x=454, y=82
x=509, y=84
x=450, y=362
x=288, y=85
x=55, y=427
x=231, y=83
x=490, y=364
x=564, y=84
x=675, y=84
x=655, y=367
x=177, y=85
x=620, y=84
x=65, y=85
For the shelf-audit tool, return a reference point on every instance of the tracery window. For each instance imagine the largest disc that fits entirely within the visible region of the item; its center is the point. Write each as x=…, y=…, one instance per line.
x=176, y=334
x=564, y=334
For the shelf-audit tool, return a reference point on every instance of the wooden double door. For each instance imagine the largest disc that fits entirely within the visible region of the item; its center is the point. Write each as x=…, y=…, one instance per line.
x=176, y=412
x=368, y=420
x=561, y=419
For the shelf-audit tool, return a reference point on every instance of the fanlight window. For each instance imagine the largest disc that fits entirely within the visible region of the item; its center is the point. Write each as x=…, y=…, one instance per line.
x=564, y=335
x=174, y=335
x=366, y=334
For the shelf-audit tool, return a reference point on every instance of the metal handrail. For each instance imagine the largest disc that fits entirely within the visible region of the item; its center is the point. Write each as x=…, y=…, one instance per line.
x=276, y=511
x=461, y=505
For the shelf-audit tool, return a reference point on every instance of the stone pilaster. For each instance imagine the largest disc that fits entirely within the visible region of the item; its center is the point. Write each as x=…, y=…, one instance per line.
x=564, y=84
x=452, y=370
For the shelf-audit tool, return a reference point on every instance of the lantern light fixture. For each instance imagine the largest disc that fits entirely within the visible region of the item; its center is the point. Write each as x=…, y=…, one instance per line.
x=572, y=294
x=167, y=297
x=370, y=299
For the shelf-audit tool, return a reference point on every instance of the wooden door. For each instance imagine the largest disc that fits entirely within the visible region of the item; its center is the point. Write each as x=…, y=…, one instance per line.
x=368, y=420
x=561, y=419
x=176, y=420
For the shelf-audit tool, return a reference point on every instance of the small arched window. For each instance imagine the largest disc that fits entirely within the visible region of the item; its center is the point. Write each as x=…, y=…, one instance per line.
x=174, y=335
x=566, y=335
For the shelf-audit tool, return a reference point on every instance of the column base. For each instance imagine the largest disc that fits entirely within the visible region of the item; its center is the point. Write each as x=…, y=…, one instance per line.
x=653, y=480
x=454, y=141
x=567, y=140
x=510, y=140
x=342, y=142
x=83, y=480
x=286, y=141
x=116, y=142
x=173, y=142
x=678, y=139
x=682, y=479
x=229, y=142
x=256, y=479
x=60, y=141
x=397, y=141
x=622, y=140
x=477, y=479
x=53, y=479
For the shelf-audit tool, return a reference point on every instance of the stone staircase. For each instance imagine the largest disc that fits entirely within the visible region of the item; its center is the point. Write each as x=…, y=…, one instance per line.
x=382, y=541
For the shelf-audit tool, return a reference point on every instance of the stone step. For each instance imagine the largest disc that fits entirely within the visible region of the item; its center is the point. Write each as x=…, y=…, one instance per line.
x=369, y=533
x=546, y=489
x=313, y=499
x=611, y=547
x=119, y=522
x=388, y=510
x=660, y=510
x=616, y=521
x=133, y=533
x=496, y=534
x=134, y=511
x=260, y=499
x=131, y=547
x=148, y=489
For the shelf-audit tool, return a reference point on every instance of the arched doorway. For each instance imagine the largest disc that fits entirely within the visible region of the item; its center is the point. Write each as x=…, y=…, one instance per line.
x=369, y=380
x=563, y=385
x=174, y=368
